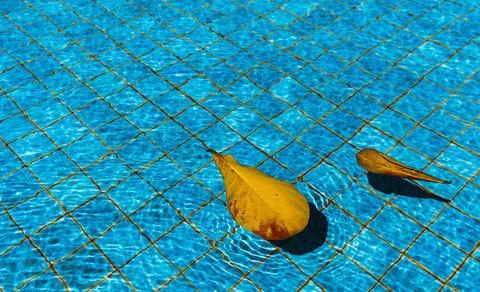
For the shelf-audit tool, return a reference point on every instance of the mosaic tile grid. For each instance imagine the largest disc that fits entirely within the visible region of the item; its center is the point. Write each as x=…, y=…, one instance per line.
x=107, y=108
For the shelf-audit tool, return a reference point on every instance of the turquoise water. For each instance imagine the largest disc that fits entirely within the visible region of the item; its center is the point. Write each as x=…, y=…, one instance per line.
x=107, y=108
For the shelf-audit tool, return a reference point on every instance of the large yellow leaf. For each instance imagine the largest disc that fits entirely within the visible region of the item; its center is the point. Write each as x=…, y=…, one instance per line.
x=269, y=207
x=379, y=163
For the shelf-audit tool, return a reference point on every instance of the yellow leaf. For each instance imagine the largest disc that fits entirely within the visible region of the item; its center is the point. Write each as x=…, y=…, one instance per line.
x=379, y=163
x=269, y=207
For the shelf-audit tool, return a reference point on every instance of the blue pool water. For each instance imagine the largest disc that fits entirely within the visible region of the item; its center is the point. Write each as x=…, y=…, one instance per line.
x=107, y=108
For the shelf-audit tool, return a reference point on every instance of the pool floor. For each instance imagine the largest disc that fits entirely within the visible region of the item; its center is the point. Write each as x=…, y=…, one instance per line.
x=107, y=108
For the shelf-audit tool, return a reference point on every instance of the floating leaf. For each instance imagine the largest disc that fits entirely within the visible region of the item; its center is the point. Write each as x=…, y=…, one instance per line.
x=379, y=163
x=269, y=207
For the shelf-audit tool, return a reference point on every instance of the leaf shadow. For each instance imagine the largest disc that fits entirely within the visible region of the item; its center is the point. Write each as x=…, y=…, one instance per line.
x=390, y=184
x=310, y=238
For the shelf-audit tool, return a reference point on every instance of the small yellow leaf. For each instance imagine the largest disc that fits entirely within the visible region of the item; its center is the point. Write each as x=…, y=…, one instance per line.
x=379, y=163
x=269, y=207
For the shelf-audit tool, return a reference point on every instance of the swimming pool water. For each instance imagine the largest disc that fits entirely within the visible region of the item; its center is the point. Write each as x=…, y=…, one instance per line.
x=107, y=108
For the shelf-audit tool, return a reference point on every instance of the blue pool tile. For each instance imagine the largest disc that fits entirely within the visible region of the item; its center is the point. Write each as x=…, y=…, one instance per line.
x=244, y=120
x=457, y=228
x=283, y=38
x=336, y=91
x=105, y=21
x=220, y=136
x=344, y=158
x=262, y=27
x=43, y=67
x=160, y=183
x=12, y=235
x=406, y=276
x=181, y=199
x=209, y=176
x=149, y=264
x=444, y=123
x=362, y=106
x=393, y=123
x=9, y=161
x=97, y=114
x=400, y=78
x=457, y=106
x=267, y=105
x=293, y=122
x=331, y=279
x=20, y=264
x=122, y=242
x=390, y=51
x=329, y=64
x=132, y=193
x=156, y=218
x=267, y=133
x=330, y=140
x=382, y=91
x=221, y=103
x=66, y=130
x=396, y=17
x=224, y=26
x=429, y=92
x=464, y=64
x=361, y=78
x=465, y=161
x=47, y=281
x=205, y=273
x=422, y=28
x=366, y=62
x=370, y=137
x=290, y=277
x=360, y=202
x=87, y=70
x=158, y=59
x=147, y=116
x=274, y=169
x=265, y=76
x=144, y=24
x=168, y=135
x=70, y=55
x=203, y=36
x=178, y=73
x=435, y=254
x=97, y=215
x=196, y=119
x=341, y=227
x=470, y=139
x=465, y=198
x=127, y=12
x=139, y=45
x=60, y=239
x=30, y=94
x=85, y=268
x=310, y=76
x=446, y=78
x=342, y=123
x=395, y=227
x=114, y=282
x=434, y=52
x=80, y=31
x=425, y=141
x=47, y=112
x=114, y=58
x=371, y=252
x=139, y=153
x=17, y=187
x=126, y=100
x=467, y=277
x=86, y=151
x=36, y=212
x=348, y=51
x=295, y=151
x=191, y=88
x=287, y=63
x=108, y=172
x=201, y=61
x=182, y=47
x=422, y=209
x=365, y=40
x=413, y=107
x=416, y=64
x=133, y=72
x=214, y=221
x=20, y=37
x=279, y=17
x=52, y=168
x=75, y=190
x=117, y=133
x=106, y=84
x=15, y=77
x=470, y=89
x=306, y=50
x=314, y=106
